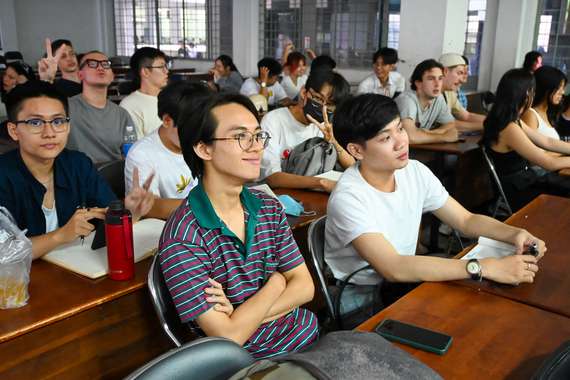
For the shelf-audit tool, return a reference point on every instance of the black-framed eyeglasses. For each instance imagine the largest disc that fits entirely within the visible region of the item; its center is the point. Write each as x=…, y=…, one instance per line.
x=94, y=63
x=316, y=99
x=163, y=67
x=245, y=139
x=36, y=126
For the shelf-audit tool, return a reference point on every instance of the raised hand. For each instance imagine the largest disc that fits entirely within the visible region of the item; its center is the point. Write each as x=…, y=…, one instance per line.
x=47, y=67
x=325, y=126
x=264, y=74
x=140, y=200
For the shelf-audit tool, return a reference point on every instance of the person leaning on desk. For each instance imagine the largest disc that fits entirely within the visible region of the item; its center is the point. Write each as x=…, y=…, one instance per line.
x=51, y=191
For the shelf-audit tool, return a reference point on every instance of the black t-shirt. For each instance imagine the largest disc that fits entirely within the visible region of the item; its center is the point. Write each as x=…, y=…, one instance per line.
x=563, y=126
x=67, y=87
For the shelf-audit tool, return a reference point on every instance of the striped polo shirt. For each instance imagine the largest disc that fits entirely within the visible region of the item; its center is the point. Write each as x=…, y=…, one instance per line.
x=196, y=244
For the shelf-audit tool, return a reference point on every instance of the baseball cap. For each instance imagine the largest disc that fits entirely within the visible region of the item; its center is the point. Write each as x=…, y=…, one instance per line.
x=451, y=59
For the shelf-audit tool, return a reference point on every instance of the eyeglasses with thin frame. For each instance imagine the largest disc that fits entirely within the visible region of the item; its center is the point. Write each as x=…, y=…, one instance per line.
x=317, y=98
x=245, y=139
x=36, y=126
x=163, y=67
x=94, y=63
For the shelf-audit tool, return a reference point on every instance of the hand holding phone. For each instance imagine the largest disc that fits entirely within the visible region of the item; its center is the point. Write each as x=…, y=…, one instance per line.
x=414, y=336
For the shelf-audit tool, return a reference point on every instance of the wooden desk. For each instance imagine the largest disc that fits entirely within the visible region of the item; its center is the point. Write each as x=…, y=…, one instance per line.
x=455, y=148
x=74, y=327
x=313, y=201
x=547, y=217
x=493, y=337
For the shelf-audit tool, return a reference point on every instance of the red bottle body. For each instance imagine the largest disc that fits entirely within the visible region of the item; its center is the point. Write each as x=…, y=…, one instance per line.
x=120, y=247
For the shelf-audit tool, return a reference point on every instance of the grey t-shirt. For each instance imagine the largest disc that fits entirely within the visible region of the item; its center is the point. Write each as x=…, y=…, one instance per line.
x=99, y=133
x=410, y=108
x=231, y=84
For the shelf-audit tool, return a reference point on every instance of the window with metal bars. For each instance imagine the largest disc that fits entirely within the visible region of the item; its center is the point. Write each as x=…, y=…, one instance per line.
x=552, y=37
x=348, y=31
x=180, y=28
x=476, y=12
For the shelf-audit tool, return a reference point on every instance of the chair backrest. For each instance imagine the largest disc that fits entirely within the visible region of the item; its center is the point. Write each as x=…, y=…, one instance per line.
x=163, y=305
x=114, y=174
x=502, y=197
x=12, y=56
x=316, y=242
x=208, y=358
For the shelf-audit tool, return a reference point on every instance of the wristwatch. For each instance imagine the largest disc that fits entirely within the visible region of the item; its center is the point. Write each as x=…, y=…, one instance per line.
x=263, y=84
x=474, y=269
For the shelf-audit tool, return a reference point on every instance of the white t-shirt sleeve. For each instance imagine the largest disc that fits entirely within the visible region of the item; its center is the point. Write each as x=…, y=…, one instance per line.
x=138, y=158
x=400, y=83
x=278, y=92
x=136, y=115
x=249, y=88
x=271, y=160
x=365, y=86
x=435, y=193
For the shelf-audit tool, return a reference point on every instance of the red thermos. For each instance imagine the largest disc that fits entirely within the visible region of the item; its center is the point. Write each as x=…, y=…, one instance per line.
x=119, y=236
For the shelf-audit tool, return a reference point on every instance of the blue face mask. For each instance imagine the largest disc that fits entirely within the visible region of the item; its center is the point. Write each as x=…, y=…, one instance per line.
x=292, y=207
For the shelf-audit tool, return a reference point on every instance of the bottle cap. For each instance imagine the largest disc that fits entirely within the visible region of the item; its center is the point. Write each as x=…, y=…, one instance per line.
x=116, y=205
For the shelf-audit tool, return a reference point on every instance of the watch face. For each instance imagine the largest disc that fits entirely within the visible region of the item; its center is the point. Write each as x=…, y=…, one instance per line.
x=473, y=267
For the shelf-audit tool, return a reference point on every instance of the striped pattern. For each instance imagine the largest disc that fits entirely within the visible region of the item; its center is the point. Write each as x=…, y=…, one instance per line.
x=190, y=253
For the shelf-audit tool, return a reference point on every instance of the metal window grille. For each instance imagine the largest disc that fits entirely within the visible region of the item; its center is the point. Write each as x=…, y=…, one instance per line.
x=552, y=37
x=348, y=31
x=181, y=28
x=476, y=12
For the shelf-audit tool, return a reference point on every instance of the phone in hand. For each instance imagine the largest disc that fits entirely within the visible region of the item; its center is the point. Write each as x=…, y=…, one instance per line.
x=99, y=240
x=414, y=336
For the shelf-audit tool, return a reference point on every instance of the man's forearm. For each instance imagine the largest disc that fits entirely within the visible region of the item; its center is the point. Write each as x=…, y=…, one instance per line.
x=163, y=207
x=297, y=293
x=293, y=181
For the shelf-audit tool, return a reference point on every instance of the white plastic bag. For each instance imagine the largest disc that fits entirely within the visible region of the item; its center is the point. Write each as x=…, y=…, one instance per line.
x=15, y=263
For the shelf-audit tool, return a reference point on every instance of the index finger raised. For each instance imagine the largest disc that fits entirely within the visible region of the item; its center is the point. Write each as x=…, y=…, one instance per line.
x=49, y=52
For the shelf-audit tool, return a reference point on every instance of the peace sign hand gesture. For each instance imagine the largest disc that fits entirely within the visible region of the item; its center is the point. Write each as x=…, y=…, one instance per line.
x=47, y=67
x=325, y=126
x=140, y=200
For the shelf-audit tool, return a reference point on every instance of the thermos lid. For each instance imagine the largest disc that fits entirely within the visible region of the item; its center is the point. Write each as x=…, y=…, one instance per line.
x=116, y=205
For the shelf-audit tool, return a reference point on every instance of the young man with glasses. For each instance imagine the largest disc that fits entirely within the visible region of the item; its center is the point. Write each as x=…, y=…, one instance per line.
x=227, y=253
x=53, y=192
x=291, y=126
x=150, y=72
x=99, y=126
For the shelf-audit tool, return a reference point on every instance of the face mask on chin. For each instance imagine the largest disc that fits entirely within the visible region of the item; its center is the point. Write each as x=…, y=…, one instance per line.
x=314, y=109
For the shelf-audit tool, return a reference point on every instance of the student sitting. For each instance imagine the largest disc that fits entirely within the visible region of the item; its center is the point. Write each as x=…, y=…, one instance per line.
x=422, y=108
x=267, y=83
x=385, y=80
x=514, y=146
x=453, y=77
x=375, y=210
x=160, y=152
x=323, y=62
x=309, y=117
x=49, y=190
x=99, y=127
x=461, y=97
x=60, y=55
x=226, y=75
x=16, y=73
x=150, y=71
x=550, y=84
x=532, y=61
x=295, y=78
x=227, y=253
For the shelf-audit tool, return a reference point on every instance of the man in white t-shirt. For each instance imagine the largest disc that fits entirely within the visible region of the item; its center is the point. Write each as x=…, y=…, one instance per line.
x=160, y=152
x=150, y=70
x=375, y=210
x=267, y=83
x=384, y=80
x=290, y=126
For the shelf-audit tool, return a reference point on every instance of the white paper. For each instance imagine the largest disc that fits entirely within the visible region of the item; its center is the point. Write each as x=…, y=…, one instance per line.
x=489, y=248
x=93, y=263
x=332, y=175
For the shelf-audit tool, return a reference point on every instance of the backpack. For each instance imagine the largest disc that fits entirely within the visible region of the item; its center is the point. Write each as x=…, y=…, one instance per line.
x=311, y=157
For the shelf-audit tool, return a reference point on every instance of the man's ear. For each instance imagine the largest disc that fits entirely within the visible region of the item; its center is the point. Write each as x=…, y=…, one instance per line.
x=203, y=151
x=11, y=127
x=355, y=150
x=445, y=71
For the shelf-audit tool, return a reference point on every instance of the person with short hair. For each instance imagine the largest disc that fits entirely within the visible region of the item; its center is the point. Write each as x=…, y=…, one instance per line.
x=226, y=75
x=54, y=193
x=460, y=93
x=16, y=73
x=227, y=253
x=323, y=61
x=454, y=70
x=384, y=80
x=160, y=152
x=60, y=55
x=99, y=127
x=374, y=212
x=267, y=83
x=291, y=126
x=150, y=74
x=423, y=110
x=532, y=61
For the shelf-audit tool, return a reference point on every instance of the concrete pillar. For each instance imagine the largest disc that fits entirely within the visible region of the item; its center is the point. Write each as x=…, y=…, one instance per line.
x=246, y=36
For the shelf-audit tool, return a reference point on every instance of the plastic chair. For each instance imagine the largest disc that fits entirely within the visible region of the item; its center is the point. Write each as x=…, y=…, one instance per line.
x=208, y=358
x=114, y=173
x=502, y=201
x=164, y=307
x=316, y=242
x=557, y=365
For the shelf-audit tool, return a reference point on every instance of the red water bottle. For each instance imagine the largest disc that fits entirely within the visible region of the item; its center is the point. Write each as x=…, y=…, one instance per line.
x=119, y=236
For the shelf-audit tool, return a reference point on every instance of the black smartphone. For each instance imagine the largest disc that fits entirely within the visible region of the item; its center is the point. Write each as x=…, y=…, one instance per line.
x=99, y=240
x=414, y=336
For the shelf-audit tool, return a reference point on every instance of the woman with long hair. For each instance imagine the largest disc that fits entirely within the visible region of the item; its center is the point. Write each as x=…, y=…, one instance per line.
x=518, y=151
x=542, y=116
x=226, y=75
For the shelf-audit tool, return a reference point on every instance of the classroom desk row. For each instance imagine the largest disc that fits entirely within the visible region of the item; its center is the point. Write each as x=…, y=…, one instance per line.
x=498, y=331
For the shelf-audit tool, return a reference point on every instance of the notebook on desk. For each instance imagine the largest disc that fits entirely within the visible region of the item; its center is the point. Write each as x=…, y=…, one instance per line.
x=486, y=248
x=80, y=258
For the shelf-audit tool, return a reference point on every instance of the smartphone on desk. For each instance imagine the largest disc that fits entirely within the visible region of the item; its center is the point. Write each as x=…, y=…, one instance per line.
x=414, y=336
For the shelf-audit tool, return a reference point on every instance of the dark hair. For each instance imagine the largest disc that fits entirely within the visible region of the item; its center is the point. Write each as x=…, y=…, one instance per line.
x=144, y=57
x=466, y=60
x=178, y=95
x=227, y=61
x=198, y=124
x=294, y=59
x=323, y=62
x=81, y=57
x=389, y=56
x=548, y=79
x=272, y=64
x=340, y=87
x=30, y=90
x=530, y=59
x=360, y=118
x=513, y=93
x=22, y=68
x=421, y=68
x=59, y=43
